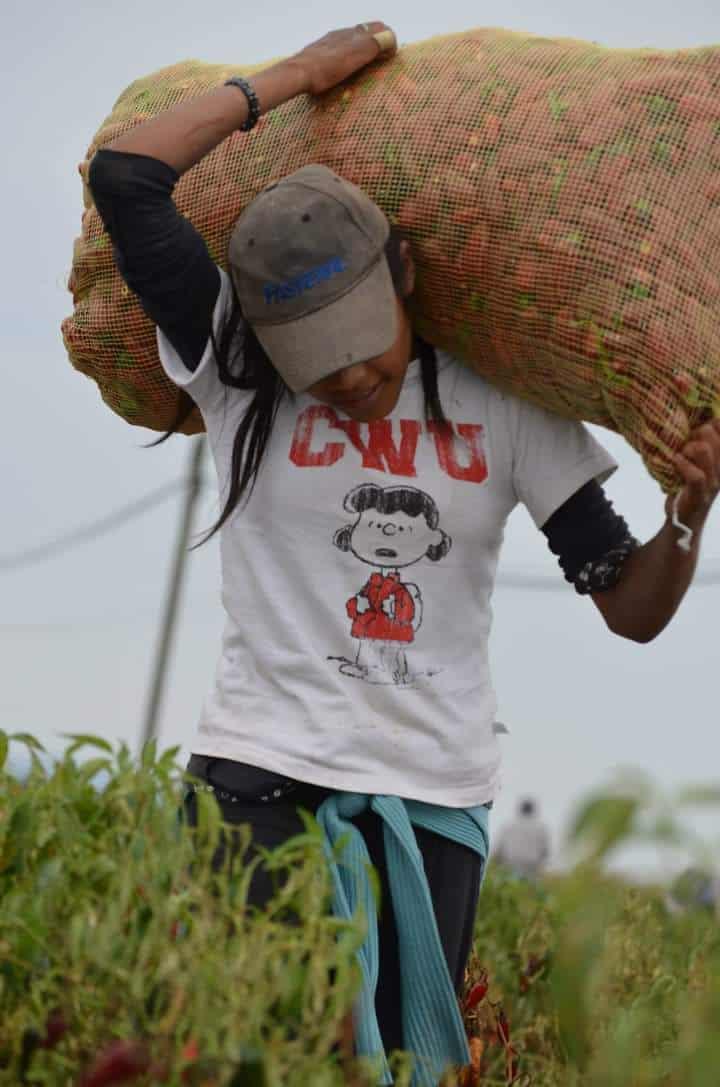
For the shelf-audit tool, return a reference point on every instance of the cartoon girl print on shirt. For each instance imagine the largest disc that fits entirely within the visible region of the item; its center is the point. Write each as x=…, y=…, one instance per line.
x=395, y=527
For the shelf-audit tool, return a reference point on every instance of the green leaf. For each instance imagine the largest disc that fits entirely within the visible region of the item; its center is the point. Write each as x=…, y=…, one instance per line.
x=375, y=885
x=603, y=822
x=4, y=746
x=662, y=150
x=51, y=872
x=21, y=821
x=85, y=739
x=699, y=796
x=168, y=759
x=623, y=145
x=663, y=830
x=124, y=759
x=93, y=767
x=661, y=108
x=557, y=106
x=149, y=754
x=391, y=154
x=28, y=740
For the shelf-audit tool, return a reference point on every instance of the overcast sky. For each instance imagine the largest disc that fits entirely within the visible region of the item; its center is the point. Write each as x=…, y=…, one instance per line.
x=77, y=633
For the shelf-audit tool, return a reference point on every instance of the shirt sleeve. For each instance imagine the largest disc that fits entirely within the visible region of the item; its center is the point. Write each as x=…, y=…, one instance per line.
x=553, y=457
x=586, y=529
x=203, y=382
x=158, y=252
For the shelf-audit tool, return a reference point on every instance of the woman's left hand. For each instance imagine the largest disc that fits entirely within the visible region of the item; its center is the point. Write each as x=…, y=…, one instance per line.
x=698, y=464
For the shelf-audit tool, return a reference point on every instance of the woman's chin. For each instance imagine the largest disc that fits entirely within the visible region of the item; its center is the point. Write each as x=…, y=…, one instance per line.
x=380, y=405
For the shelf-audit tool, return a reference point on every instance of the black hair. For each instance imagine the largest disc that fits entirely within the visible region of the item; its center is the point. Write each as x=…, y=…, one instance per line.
x=243, y=364
x=388, y=500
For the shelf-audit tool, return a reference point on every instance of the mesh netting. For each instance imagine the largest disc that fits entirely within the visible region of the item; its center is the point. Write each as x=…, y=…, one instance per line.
x=563, y=201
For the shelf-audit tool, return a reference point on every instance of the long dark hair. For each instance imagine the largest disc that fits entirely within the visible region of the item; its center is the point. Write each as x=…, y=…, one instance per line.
x=243, y=364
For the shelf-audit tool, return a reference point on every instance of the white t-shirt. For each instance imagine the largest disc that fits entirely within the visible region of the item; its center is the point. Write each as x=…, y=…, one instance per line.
x=357, y=579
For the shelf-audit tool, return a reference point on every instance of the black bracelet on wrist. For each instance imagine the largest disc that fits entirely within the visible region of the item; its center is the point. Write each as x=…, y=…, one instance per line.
x=604, y=573
x=252, y=101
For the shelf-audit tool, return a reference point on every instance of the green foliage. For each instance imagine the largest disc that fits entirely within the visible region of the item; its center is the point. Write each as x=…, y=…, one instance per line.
x=114, y=929
x=603, y=984
x=111, y=916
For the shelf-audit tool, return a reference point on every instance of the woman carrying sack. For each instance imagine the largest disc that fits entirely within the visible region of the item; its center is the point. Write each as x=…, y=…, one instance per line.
x=365, y=482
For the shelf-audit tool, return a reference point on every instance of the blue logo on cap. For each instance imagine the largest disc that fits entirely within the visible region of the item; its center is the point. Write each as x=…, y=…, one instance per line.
x=284, y=292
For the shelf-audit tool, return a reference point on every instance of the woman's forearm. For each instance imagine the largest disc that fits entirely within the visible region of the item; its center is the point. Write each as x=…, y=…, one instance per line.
x=653, y=583
x=184, y=134
x=657, y=576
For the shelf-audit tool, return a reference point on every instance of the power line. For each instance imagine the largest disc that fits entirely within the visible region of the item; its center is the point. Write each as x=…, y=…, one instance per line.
x=512, y=579
x=91, y=531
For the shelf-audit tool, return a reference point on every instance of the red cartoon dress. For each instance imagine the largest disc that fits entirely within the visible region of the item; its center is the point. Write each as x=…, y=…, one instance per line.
x=375, y=622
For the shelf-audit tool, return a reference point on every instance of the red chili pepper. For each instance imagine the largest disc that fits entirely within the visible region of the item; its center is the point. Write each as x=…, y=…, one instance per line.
x=118, y=1063
x=477, y=993
x=190, y=1051
x=56, y=1027
x=503, y=1027
x=535, y=965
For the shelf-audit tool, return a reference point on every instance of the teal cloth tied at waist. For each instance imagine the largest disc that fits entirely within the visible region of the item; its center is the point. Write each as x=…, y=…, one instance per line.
x=432, y=1024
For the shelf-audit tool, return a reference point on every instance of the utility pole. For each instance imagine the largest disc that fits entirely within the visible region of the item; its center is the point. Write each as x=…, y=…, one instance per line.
x=193, y=485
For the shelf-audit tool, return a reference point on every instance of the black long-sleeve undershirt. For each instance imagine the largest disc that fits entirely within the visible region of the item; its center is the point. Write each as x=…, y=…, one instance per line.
x=158, y=252
x=164, y=260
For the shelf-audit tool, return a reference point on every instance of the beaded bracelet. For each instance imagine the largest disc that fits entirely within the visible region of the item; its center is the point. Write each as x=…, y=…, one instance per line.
x=604, y=573
x=252, y=101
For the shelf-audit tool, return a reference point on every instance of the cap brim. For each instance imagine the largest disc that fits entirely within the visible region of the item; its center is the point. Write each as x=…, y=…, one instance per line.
x=360, y=325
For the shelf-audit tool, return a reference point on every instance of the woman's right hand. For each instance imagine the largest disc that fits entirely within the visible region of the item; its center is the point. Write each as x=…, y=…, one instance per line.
x=340, y=54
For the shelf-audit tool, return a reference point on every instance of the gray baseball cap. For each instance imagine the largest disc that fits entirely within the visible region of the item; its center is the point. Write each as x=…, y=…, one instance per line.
x=307, y=258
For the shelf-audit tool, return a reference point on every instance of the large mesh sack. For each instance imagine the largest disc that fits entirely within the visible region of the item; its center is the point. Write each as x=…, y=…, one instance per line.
x=563, y=201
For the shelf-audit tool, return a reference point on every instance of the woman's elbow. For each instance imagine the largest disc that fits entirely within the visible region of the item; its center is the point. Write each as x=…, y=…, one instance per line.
x=99, y=173
x=641, y=632
x=640, y=637
x=635, y=627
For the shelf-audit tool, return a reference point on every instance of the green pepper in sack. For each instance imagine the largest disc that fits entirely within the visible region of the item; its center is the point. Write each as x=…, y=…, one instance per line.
x=563, y=201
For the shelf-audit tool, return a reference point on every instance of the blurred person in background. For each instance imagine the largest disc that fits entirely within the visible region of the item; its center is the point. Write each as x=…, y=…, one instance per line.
x=524, y=844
